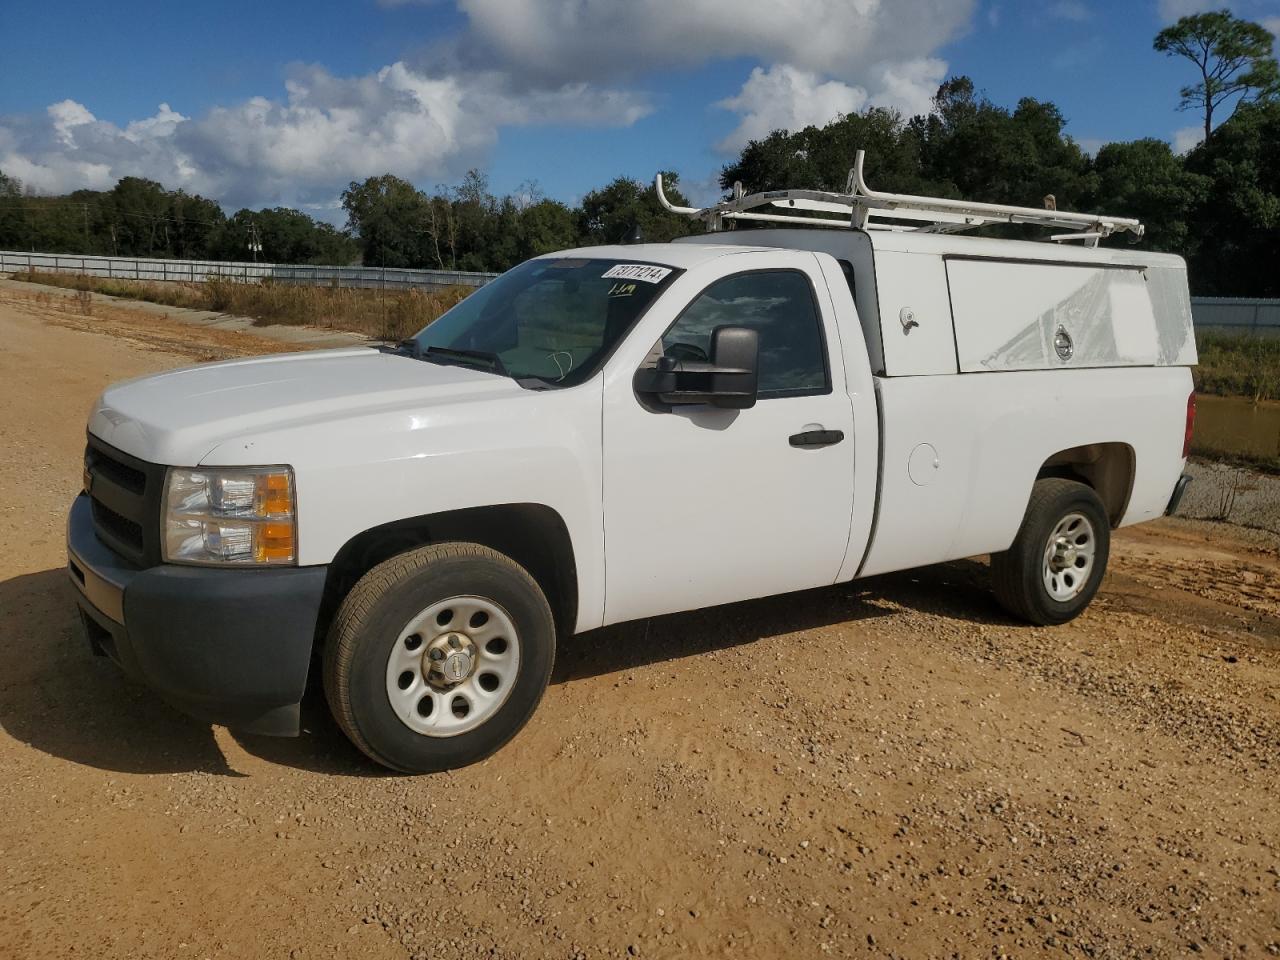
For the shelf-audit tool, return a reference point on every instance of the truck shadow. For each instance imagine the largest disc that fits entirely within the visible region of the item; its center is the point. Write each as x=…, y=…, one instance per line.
x=958, y=589
x=58, y=698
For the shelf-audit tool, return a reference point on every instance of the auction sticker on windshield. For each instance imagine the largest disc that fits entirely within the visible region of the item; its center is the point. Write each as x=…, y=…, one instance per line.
x=637, y=271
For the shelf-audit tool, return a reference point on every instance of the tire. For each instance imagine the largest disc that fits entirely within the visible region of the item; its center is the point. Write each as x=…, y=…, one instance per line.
x=410, y=621
x=1050, y=583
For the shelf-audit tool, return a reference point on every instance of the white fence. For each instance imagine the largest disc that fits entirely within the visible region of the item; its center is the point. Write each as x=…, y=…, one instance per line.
x=134, y=268
x=1241, y=315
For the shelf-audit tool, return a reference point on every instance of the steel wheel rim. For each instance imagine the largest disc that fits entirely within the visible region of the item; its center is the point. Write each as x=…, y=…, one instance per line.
x=1069, y=556
x=468, y=681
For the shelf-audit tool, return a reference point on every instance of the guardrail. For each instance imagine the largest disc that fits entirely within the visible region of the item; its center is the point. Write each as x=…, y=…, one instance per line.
x=196, y=271
x=1241, y=315
x=1253, y=316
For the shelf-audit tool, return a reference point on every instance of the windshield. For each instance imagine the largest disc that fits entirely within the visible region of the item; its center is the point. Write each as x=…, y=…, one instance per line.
x=551, y=320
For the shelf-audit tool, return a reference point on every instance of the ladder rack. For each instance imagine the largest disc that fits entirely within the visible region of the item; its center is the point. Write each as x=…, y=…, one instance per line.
x=862, y=208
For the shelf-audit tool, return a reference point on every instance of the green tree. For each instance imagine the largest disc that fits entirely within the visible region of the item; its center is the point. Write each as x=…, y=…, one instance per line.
x=1232, y=55
x=389, y=217
x=546, y=226
x=193, y=225
x=484, y=227
x=11, y=204
x=607, y=215
x=286, y=235
x=500, y=239
x=51, y=224
x=1145, y=179
x=467, y=228
x=139, y=217
x=1237, y=225
x=966, y=146
x=973, y=148
x=820, y=157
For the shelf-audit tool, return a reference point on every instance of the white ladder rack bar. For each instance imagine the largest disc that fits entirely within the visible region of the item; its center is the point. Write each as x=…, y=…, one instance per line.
x=861, y=207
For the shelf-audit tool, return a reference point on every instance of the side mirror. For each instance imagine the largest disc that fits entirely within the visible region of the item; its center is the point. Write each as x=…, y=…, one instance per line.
x=728, y=380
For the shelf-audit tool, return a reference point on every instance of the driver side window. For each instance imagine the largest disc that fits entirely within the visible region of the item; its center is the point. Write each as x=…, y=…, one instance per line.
x=779, y=305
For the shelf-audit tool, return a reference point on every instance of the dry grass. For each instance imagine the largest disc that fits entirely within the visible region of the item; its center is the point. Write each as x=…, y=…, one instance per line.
x=1229, y=365
x=1232, y=365
x=383, y=314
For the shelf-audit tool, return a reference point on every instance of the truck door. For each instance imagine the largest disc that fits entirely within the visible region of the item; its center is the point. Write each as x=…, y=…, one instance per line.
x=705, y=505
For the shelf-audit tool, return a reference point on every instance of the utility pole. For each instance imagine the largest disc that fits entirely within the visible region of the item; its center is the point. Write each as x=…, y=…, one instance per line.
x=255, y=241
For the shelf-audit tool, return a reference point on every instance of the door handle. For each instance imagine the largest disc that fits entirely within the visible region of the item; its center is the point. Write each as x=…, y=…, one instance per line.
x=816, y=438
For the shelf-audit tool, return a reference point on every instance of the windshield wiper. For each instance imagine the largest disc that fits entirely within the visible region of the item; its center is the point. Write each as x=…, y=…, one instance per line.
x=404, y=348
x=480, y=359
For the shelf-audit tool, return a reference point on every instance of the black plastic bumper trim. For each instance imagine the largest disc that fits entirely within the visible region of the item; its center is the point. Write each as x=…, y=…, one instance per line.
x=1179, y=489
x=99, y=574
x=227, y=646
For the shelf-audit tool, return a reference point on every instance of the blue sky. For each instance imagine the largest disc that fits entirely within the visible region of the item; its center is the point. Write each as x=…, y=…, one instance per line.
x=286, y=101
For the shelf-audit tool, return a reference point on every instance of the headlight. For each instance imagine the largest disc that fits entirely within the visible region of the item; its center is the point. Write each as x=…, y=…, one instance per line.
x=234, y=515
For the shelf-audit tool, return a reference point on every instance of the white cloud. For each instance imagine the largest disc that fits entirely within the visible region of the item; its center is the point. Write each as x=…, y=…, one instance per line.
x=304, y=148
x=909, y=87
x=66, y=115
x=1071, y=10
x=785, y=98
x=1171, y=10
x=515, y=63
x=846, y=39
x=1261, y=11
x=1185, y=138
x=828, y=56
x=1075, y=56
x=68, y=148
x=164, y=123
x=57, y=174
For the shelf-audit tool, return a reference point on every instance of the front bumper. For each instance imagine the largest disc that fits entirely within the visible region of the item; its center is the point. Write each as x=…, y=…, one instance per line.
x=226, y=646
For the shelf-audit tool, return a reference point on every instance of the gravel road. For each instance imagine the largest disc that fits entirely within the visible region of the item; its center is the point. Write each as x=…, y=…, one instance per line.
x=890, y=768
x=1248, y=498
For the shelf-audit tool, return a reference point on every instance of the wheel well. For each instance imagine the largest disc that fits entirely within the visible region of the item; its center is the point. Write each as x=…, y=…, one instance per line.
x=531, y=534
x=1106, y=467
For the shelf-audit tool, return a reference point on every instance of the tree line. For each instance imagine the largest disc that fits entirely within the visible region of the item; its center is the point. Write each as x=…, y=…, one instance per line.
x=1218, y=205
x=390, y=223
x=140, y=218
x=468, y=228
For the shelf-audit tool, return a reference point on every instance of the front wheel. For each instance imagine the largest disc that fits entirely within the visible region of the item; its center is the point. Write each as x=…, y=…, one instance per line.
x=1057, y=561
x=437, y=657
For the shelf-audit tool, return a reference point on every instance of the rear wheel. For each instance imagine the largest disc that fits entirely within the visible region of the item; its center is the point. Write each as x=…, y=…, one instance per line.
x=437, y=657
x=1057, y=561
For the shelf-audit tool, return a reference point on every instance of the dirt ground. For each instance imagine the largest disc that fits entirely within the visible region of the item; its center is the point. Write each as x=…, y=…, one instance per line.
x=889, y=768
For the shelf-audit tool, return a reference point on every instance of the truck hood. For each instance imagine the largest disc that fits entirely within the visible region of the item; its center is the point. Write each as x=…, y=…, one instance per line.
x=178, y=417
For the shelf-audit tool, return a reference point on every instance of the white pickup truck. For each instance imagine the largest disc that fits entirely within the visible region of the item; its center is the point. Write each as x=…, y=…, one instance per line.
x=619, y=432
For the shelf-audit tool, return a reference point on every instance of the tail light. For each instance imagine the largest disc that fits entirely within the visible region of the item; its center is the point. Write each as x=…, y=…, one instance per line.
x=1191, y=425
